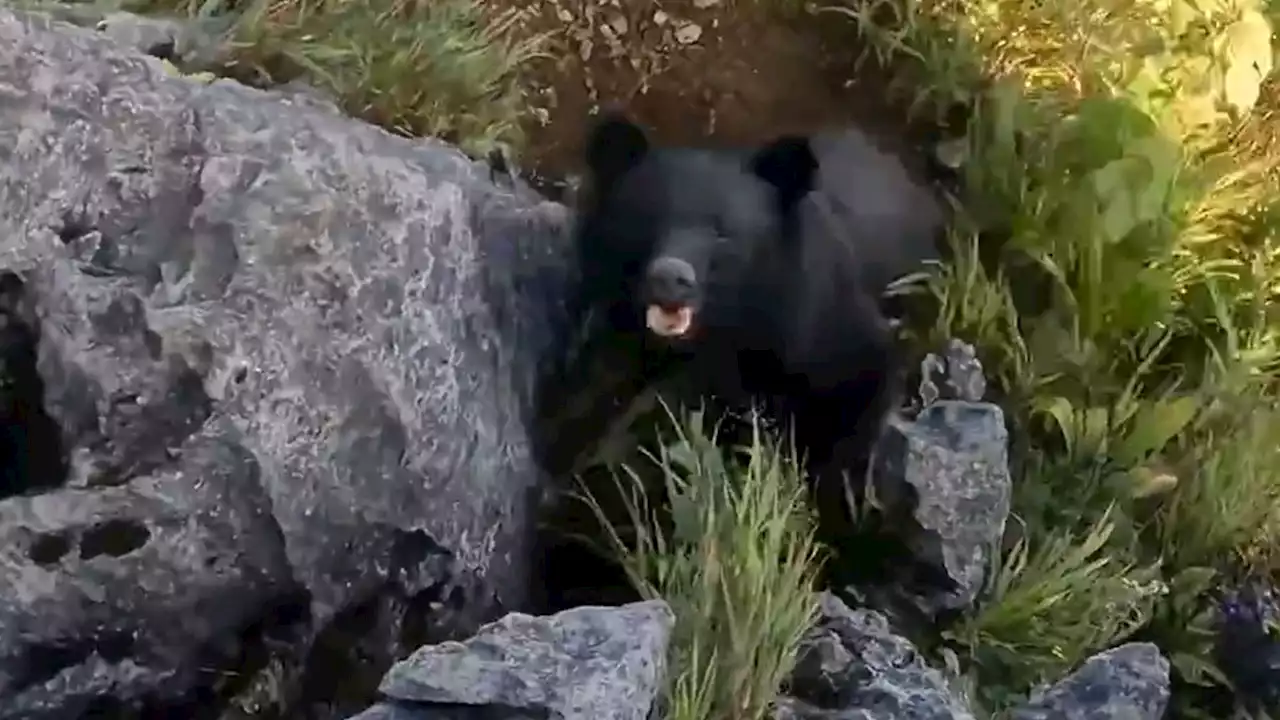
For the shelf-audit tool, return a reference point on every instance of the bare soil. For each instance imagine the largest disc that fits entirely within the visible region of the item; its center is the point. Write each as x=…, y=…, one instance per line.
x=732, y=72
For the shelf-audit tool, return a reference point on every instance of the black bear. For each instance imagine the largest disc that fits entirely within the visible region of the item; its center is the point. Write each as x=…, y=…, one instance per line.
x=703, y=252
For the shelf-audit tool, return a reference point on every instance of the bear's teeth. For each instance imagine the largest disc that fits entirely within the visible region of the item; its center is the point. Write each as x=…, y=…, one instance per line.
x=667, y=323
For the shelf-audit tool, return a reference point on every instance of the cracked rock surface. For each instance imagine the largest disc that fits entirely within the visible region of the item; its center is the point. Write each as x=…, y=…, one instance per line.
x=853, y=666
x=586, y=663
x=1129, y=682
x=280, y=365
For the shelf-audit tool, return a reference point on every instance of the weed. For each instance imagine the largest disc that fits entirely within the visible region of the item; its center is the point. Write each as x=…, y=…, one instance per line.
x=1052, y=606
x=1229, y=505
x=736, y=560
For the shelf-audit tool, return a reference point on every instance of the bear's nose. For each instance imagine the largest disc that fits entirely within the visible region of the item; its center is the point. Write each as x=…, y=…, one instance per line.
x=671, y=281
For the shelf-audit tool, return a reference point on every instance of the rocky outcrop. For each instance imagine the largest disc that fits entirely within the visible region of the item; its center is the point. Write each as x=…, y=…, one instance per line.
x=272, y=373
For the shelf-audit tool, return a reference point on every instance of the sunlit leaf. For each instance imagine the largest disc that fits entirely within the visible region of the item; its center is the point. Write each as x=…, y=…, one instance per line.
x=1246, y=47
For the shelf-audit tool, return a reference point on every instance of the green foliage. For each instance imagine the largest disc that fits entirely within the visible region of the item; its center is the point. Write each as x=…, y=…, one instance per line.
x=736, y=559
x=1053, y=605
x=1184, y=622
x=1116, y=261
x=444, y=69
x=1229, y=506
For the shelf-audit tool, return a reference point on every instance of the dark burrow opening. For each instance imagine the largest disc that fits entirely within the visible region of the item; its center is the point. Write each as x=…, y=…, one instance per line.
x=31, y=453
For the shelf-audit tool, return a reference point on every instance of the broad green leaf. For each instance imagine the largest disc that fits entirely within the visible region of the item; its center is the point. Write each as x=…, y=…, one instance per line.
x=1114, y=186
x=1101, y=129
x=1164, y=164
x=1062, y=413
x=1181, y=15
x=1154, y=426
x=1145, y=300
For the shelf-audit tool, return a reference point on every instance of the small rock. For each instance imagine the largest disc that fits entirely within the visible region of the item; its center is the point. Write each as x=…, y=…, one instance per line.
x=660, y=18
x=587, y=663
x=955, y=374
x=851, y=666
x=948, y=470
x=179, y=41
x=688, y=33
x=619, y=25
x=1130, y=682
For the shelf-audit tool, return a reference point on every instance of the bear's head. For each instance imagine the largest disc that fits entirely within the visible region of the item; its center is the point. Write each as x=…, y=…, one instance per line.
x=696, y=220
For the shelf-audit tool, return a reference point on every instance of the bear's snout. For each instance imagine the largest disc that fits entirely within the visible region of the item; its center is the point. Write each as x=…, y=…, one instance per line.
x=671, y=283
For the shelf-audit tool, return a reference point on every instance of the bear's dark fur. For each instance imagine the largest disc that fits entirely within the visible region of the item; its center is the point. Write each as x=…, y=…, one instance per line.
x=779, y=314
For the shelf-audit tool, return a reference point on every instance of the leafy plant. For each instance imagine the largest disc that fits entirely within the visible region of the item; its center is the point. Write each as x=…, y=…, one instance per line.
x=1183, y=621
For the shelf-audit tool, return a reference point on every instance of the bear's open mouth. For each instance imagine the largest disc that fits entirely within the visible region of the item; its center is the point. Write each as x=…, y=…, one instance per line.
x=671, y=321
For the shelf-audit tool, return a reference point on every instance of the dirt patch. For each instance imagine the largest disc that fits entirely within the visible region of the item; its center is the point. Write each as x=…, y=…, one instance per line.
x=728, y=71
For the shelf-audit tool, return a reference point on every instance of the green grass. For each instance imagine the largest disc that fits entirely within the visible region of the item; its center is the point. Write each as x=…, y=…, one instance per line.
x=1053, y=602
x=1116, y=261
x=734, y=555
x=439, y=68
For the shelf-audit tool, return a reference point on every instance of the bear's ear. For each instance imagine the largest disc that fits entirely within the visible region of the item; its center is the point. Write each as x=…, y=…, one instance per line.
x=614, y=146
x=789, y=165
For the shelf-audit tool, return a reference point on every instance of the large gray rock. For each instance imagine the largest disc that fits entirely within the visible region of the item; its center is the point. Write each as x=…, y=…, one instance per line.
x=1130, y=682
x=852, y=666
x=588, y=663
x=290, y=360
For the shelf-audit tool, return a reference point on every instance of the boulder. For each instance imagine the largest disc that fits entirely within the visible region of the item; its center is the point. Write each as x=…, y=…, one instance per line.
x=852, y=666
x=1129, y=682
x=587, y=663
x=271, y=375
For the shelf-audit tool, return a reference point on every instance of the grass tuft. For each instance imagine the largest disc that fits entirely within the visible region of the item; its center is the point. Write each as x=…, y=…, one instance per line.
x=1051, y=605
x=440, y=68
x=736, y=559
